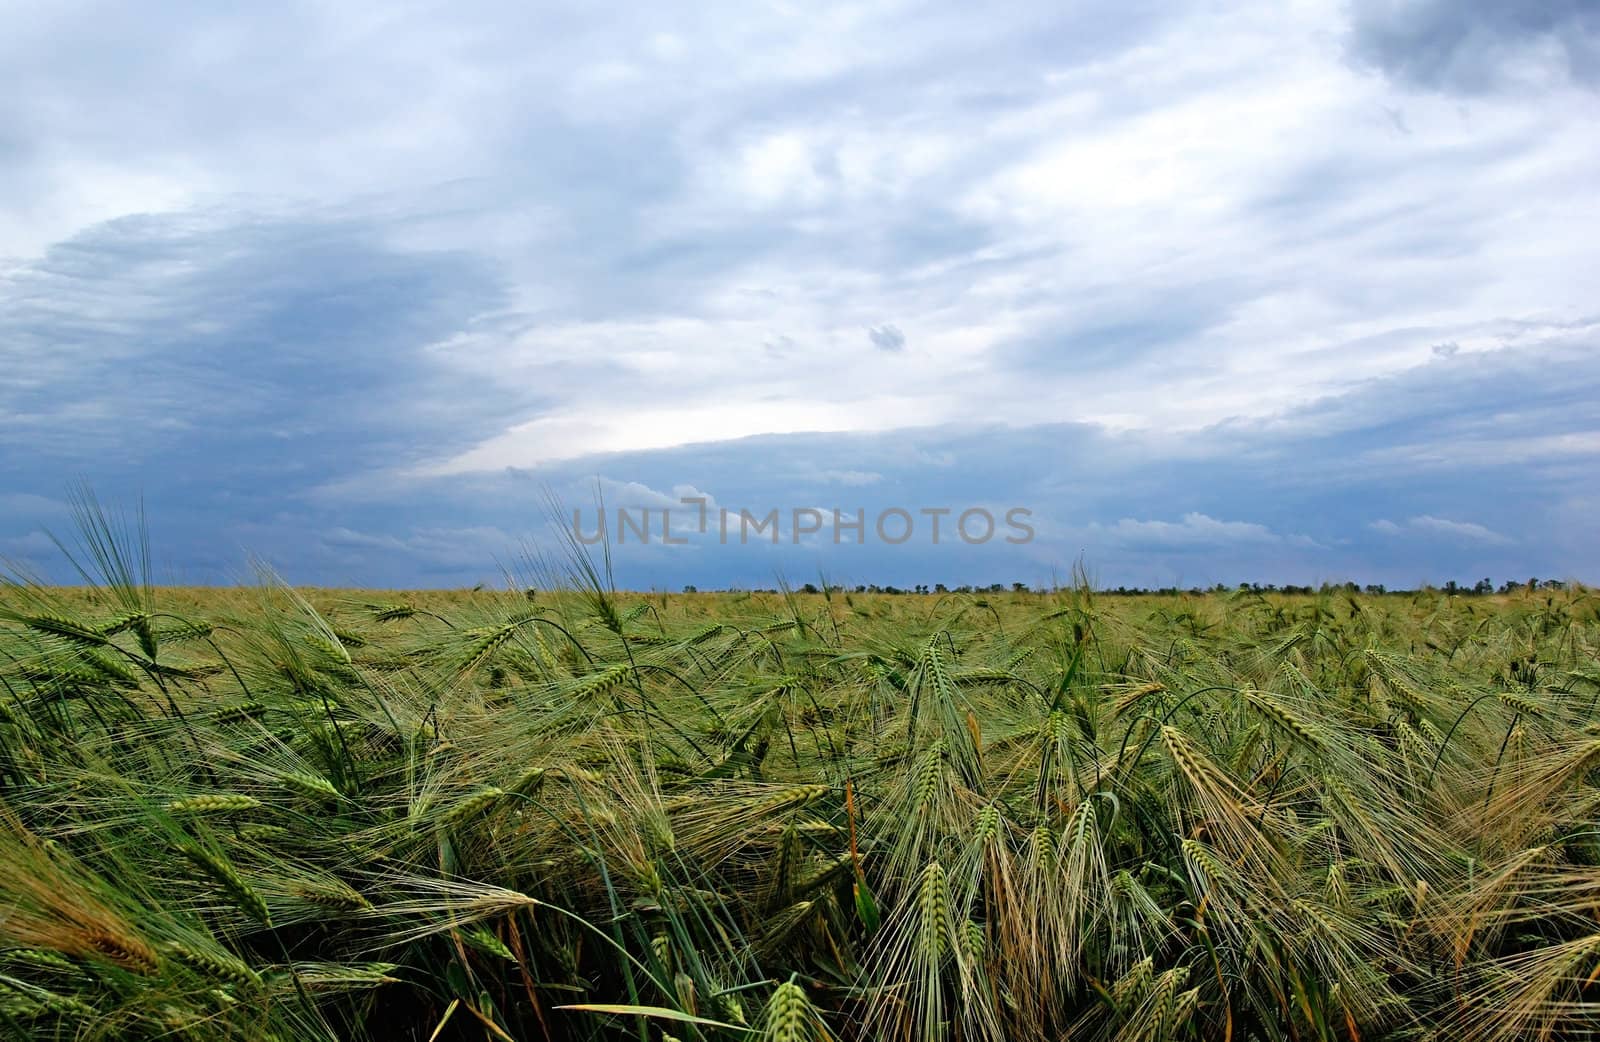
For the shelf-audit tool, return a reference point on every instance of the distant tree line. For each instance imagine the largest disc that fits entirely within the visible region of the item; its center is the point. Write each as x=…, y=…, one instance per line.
x=1481, y=588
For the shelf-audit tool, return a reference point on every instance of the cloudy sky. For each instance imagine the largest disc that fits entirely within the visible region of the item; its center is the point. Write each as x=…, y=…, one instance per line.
x=1276, y=292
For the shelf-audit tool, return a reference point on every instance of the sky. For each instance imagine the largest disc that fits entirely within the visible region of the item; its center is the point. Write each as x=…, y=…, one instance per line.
x=383, y=294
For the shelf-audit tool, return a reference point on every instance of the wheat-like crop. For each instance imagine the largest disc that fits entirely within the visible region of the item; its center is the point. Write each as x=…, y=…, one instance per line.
x=794, y=816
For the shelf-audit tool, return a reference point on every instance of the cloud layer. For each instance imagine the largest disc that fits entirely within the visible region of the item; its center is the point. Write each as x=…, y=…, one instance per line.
x=348, y=287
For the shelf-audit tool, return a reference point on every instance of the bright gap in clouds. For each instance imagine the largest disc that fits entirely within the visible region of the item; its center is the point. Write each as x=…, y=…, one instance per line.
x=614, y=429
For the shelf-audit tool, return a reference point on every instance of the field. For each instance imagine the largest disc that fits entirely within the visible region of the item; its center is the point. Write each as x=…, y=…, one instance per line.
x=274, y=814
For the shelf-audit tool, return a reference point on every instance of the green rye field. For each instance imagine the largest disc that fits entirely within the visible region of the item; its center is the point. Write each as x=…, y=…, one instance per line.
x=263, y=813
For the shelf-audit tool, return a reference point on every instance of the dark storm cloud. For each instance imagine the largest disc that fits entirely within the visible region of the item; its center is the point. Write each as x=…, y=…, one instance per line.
x=1472, y=46
x=224, y=369
x=155, y=335
x=887, y=337
x=1105, y=327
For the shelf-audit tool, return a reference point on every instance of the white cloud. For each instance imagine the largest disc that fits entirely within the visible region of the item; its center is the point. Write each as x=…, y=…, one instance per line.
x=34, y=507
x=850, y=478
x=1428, y=525
x=1467, y=530
x=637, y=494
x=779, y=168
x=31, y=545
x=627, y=494
x=574, y=434
x=1195, y=529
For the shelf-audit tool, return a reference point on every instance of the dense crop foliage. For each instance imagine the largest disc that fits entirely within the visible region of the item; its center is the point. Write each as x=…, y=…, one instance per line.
x=247, y=816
